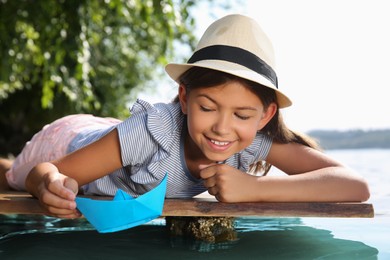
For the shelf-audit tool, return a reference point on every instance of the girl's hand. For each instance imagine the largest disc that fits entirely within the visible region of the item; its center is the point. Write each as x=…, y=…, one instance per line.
x=228, y=184
x=57, y=195
x=55, y=191
x=56, y=183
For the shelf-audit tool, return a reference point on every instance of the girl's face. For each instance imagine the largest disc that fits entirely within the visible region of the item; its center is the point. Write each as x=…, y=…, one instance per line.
x=222, y=120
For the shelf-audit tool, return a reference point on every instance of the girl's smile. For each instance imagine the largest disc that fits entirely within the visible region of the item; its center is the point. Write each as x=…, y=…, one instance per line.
x=219, y=145
x=222, y=120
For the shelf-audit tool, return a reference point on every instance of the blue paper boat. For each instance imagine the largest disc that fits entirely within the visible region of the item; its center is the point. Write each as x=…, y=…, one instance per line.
x=123, y=211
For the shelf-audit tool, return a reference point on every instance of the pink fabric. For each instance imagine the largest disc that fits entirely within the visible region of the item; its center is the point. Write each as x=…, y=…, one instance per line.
x=51, y=143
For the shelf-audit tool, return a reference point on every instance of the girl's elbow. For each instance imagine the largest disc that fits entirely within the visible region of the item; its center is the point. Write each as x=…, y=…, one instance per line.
x=362, y=191
x=358, y=188
x=365, y=192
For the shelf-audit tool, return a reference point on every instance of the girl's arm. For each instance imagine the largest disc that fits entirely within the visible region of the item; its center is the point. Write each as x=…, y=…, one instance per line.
x=56, y=183
x=92, y=161
x=311, y=177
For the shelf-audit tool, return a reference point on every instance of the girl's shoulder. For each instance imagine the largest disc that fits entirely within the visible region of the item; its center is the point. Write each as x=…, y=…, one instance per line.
x=166, y=116
x=258, y=149
x=159, y=123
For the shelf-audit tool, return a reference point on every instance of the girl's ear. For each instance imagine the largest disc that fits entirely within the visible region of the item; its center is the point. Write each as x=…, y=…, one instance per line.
x=267, y=115
x=183, y=98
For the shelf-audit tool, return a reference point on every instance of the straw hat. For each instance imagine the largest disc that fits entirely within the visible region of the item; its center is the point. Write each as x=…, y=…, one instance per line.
x=235, y=44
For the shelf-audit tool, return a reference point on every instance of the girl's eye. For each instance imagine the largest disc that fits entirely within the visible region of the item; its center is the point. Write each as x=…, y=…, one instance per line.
x=242, y=117
x=205, y=109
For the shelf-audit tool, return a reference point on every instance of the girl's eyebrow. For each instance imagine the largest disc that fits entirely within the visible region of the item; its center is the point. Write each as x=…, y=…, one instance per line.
x=215, y=102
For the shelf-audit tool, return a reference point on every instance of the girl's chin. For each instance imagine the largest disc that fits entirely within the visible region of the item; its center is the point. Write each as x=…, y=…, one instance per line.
x=217, y=158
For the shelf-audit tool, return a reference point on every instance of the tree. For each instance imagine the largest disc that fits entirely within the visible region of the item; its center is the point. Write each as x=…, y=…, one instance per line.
x=81, y=56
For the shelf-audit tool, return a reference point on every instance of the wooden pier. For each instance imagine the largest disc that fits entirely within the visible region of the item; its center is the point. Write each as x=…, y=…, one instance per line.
x=12, y=202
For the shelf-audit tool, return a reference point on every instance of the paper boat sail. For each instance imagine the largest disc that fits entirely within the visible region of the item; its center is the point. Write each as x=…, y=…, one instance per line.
x=123, y=211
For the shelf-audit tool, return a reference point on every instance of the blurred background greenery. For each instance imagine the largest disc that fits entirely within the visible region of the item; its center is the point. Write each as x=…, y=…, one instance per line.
x=83, y=56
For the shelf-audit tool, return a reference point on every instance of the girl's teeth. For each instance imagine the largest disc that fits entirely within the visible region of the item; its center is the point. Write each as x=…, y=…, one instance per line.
x=219, y=143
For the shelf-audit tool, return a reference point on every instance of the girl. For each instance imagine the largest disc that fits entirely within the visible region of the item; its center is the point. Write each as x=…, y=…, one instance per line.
x=222, y=129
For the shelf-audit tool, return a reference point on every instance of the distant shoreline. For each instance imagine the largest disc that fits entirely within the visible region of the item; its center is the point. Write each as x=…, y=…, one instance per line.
x=352, y=139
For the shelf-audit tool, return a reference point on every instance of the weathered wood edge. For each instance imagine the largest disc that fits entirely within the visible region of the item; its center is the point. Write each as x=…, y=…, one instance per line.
x=202, y=208
x=23, y=203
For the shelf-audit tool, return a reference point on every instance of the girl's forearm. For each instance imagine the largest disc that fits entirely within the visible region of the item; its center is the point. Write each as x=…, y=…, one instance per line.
x=326, y=185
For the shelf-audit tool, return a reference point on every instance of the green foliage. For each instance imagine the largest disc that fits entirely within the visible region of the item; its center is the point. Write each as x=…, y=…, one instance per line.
x=81, y=56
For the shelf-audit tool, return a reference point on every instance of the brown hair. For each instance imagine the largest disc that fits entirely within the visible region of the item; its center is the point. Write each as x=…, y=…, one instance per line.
x=197, y=77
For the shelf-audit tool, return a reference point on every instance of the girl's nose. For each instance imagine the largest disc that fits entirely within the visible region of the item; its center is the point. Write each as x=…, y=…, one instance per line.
x=222, y=125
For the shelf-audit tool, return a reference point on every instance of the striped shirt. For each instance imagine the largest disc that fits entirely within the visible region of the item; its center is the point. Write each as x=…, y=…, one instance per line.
x=151, y=142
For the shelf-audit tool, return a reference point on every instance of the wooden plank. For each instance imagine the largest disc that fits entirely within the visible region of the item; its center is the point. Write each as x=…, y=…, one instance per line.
x=202, y=208
x=22, y=203
x=18, y=203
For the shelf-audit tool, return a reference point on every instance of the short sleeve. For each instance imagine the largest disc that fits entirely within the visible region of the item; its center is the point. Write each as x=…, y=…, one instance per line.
x=255, y=152
x=147, y=131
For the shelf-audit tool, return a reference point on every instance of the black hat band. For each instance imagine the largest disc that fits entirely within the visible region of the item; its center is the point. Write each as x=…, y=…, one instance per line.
x=236, y=55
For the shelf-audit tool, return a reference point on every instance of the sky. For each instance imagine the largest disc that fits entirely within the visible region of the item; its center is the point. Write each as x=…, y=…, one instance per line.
x=332, y=60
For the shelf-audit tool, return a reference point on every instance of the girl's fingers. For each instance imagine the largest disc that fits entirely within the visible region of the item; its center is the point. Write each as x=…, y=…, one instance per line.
x=59, y=207
x=57, y=195
x=71, y=184
x=208, y=172
x=210, y=182
x=213, y=190
x=52, y=200
x=63, y=213
x=56, y=183
x=204, y=166
x=209, y=179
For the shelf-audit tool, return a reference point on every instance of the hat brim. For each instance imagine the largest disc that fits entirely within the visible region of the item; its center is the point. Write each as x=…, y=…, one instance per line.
x=175, y=70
